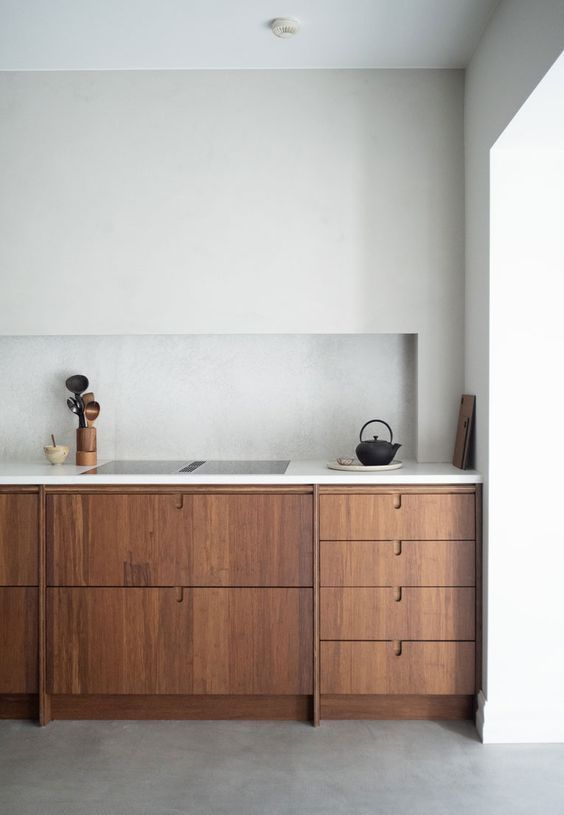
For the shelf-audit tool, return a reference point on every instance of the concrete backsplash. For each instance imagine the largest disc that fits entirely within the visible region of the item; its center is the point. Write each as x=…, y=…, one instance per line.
x=210, y=396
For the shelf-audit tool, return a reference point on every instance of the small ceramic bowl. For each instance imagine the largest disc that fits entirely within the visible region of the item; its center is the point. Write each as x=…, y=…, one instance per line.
x=57, y=454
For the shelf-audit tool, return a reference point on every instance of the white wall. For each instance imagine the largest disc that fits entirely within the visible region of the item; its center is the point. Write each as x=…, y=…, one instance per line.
x=526, y=557
x=222, y=396
x=242, y=202
x=521, y=42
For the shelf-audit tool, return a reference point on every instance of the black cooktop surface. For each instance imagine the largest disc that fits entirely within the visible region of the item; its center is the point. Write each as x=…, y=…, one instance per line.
x=187, y=467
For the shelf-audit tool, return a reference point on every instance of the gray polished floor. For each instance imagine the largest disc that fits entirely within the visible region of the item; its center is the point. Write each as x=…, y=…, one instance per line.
x=247, y=768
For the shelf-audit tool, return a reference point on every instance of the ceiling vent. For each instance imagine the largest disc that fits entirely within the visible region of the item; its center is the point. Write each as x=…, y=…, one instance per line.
x=285, y=27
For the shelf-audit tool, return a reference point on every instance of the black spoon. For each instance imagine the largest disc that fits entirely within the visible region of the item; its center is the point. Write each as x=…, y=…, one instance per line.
x=75, y=407
x=77, y=384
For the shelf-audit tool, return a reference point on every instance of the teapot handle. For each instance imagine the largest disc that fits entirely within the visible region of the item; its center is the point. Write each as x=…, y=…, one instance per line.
x=381, y=422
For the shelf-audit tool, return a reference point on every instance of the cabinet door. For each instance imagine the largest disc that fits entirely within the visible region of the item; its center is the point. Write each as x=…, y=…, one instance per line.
x=18, y=640
x=145, y=641
x=410, y=516
x=118, y=641
x=374, y=667
x=253, y=641
x=397, y=563
x=376, y=614
x=118, y=540
x=171, y=540
x=253, y=540
x=18, y=539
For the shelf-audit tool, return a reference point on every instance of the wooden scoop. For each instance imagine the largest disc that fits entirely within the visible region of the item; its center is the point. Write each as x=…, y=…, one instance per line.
x=91, y=412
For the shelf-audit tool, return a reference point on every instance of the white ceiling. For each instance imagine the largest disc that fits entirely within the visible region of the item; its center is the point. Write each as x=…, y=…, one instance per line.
x=175, y=34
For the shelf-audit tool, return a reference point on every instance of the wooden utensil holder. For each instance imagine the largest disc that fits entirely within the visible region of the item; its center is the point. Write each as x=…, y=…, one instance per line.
x=86, y=453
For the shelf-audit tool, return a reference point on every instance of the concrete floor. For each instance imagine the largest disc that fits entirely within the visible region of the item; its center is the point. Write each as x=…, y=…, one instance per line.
x=247, y=768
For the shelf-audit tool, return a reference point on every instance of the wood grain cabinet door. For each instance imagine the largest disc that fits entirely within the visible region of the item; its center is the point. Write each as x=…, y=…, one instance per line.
x=397, y=563
x=253, y=641
x=171, y=540
x=374, y=667
x=376, y=614
x=118, y=540
x=132, y=640
x=18, y=539
x=18, y=640
x=408, y=516
x=253, y=540
x=179, y=641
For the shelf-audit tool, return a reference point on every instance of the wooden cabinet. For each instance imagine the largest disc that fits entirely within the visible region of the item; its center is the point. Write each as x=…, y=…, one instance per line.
x=18, y=640
x=19, y=612
x=18, y=539
x=362, y=613
x=376, y=668
x=398, y=563
x=179, y=641
x=398, y=607
x=240, y=602
x=179, y=539
x=397, y=516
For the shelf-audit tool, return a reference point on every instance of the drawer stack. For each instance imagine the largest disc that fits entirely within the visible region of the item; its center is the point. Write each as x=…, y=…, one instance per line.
x=397, y=609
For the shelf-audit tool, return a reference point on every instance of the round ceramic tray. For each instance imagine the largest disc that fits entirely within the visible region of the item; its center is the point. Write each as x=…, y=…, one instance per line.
x=361, y=468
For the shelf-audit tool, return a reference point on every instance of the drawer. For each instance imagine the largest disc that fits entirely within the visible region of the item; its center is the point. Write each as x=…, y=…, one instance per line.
x=397, y=563
x=408, y=516
x=168, y=641
x=18, y=640
x=421, y=668
x=173, y=540
x=375, y=614
x=18, y=539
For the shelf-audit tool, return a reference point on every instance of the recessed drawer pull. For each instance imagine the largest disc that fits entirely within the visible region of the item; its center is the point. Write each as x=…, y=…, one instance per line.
x=180, y=501
x=396, y=644
x=397, y=547
x=180, y=594
x=397, y=593
x=397, y=501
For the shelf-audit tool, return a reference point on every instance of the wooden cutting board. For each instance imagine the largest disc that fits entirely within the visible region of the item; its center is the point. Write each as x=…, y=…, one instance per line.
x=464, y=431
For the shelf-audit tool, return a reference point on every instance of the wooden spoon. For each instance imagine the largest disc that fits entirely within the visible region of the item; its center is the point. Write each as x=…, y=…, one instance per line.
x=91, y=412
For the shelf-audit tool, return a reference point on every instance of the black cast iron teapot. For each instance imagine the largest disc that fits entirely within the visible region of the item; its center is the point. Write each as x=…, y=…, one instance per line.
x=376, y=453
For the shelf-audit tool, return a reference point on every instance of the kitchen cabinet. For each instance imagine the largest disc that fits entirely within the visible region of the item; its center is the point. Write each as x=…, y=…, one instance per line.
x=154, y=539
x=230, y=601
x=179, y=641
x=18, y=539
x=19, y=598
x=197, y=594
x=399, y=601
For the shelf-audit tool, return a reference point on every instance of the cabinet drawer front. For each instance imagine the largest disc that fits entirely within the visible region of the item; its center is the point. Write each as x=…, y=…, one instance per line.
x=421, y=668
x=118, y=641
x=170, y=540
x=375, y=614
x=440, y=516
x=18, y=640
x=18, y=539
x=144, y=641
x=397, y=563
x=257, y=641
x=253, y=540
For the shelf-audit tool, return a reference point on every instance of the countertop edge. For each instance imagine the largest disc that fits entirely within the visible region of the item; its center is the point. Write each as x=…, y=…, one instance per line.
x=15, y=474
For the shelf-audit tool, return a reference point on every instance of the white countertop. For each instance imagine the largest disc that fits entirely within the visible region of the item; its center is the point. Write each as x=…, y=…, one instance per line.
x=298, y=472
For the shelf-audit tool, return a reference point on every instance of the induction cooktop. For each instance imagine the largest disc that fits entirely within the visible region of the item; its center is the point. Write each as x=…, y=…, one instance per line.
x=235, y=467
